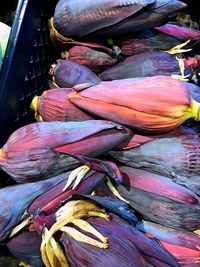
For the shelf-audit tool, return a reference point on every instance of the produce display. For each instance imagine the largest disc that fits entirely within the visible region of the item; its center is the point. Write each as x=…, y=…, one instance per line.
x=108, y=174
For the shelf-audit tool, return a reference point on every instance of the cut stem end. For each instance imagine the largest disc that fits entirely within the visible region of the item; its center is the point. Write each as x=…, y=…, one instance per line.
x=34, y=103
x=196, y=110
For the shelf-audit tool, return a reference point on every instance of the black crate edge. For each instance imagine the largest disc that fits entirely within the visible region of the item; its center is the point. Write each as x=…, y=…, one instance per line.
x=25, y=67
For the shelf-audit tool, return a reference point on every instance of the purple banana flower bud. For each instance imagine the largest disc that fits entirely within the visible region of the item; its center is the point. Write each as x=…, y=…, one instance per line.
x=53, y=105
x=179, y=32
x=89, y=19
x=26, y=247
x=67, y=73
x=158, y=155
x=34, y=151
x=144, y=65
x=170, y=205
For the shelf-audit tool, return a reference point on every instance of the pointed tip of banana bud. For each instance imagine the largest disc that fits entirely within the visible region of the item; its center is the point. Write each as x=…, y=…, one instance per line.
x=34, y=103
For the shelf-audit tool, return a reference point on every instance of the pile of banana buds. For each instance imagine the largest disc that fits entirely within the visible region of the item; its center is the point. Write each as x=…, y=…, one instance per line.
x=108, y=175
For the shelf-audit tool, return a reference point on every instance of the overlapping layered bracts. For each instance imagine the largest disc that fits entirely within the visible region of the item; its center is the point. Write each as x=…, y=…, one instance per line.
x=14, y=200
x=183, y=245
x=160, y=200
x=142, y=65
x=146, y=41
x=146, y=65
x=136, y=249
x=66, y=73
x=150, y=104
x=53, y=105
x=93, y=59
x=86, y=17
x=44, y=196
x=156, y=15
x=120, y=253
x=137, y=139
x=80, y=249
x=174, y=156
x=34, y=151
x=50, y=200
x=127, y=247
x=77, y=19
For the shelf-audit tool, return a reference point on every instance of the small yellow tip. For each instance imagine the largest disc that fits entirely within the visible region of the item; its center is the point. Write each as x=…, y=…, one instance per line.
x=38, y=117
x=114, y=190
x=34, y=107
x=66, y=55
x=104, y=245
x=197, y=232
x=196, y=110
x=34, y=103
x=105, y=240
x=23, y=264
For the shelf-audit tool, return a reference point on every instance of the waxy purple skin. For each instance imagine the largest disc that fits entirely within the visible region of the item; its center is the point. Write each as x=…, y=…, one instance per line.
x=179, y=32
x=176, y=157
x=34, y=152
x=53, y=105
x=26, y=247
x=142, y=65
x=78, y=18
x=153, y=15
x=67, y=73
x=170, y=235
x=118, y=232
x=161, y=207
x=14, y=200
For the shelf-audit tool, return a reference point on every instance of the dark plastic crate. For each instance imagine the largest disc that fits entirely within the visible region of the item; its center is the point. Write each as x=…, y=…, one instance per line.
x=25, y=67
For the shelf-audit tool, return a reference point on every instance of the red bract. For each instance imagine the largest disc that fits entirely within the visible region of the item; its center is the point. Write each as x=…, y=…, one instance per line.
x=159, y=200
x=149, y=104
x=173, y=156
x=34, y=151
x=183, y=245
x=53, y=105
x=91, y=58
